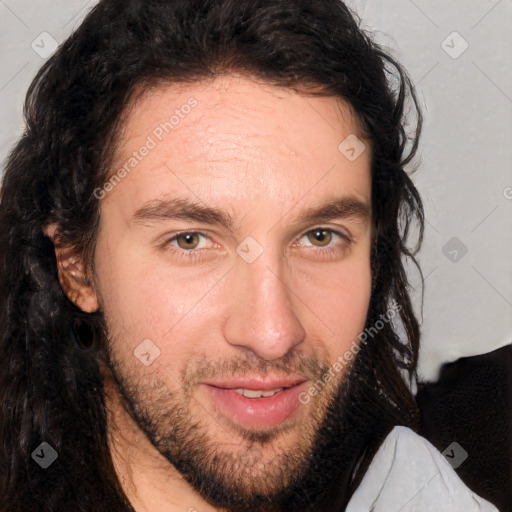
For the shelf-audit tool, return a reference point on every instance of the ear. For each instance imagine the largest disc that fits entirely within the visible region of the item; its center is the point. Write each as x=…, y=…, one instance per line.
x=73, y=277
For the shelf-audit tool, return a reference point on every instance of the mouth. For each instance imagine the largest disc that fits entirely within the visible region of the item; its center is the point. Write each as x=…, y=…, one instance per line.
x=257, y=403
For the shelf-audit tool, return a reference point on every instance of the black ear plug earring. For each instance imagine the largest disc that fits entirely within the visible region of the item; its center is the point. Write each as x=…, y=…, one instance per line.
x=84, y=333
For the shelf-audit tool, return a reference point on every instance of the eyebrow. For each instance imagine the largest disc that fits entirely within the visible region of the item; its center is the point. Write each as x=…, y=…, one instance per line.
x=181, y=209
x=343, y=207
x=347, y=207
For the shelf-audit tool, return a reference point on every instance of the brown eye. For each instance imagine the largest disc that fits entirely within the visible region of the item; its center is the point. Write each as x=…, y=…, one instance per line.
x=188, y=240
x=320, y=237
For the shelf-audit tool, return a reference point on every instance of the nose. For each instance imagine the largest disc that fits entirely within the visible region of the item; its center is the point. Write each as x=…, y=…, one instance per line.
x=261, y=316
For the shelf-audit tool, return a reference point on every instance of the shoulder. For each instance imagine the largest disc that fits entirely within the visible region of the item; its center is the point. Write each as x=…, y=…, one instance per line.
x=409, y=474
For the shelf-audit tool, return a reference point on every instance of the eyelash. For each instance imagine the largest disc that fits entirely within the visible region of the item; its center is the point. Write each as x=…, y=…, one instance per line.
x=329, y=252
x=324, y=253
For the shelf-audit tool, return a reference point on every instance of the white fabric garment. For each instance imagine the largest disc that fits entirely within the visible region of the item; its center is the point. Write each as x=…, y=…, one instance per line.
x=408, y=474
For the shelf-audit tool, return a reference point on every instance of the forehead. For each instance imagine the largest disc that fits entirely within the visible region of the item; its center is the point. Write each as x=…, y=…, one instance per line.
x=234, y=137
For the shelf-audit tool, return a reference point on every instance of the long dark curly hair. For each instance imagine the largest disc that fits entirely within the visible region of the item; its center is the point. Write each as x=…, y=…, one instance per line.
x=50, y=389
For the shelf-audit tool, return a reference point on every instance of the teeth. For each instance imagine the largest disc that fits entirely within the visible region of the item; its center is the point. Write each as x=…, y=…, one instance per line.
x=255, y=393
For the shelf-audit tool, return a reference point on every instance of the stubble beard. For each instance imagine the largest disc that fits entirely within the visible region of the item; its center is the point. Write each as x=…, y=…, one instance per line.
x=259, y=474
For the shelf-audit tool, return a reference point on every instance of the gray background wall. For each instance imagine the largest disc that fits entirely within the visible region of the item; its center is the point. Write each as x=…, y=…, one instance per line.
x=458, y=53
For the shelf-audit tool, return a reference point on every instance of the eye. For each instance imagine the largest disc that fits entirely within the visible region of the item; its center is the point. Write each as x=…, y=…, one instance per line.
x=190, y=247
x=324, y=244
x=321, y=237
x=188, y=241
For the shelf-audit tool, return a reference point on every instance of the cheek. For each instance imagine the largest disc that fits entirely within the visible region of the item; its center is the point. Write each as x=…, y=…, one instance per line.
x=143, y=298
x=339, y=298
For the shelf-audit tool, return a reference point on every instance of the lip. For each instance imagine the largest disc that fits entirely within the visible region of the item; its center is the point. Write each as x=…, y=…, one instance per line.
x=256, y=382
x=257, y=412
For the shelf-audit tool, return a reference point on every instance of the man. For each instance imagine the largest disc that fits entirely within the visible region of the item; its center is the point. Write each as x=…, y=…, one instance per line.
x=202, y=286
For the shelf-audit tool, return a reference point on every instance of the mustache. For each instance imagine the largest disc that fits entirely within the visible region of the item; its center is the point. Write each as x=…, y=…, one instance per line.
x=309, y=367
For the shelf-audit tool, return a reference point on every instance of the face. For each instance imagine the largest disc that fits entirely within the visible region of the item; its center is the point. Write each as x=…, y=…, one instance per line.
x=232, y=266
